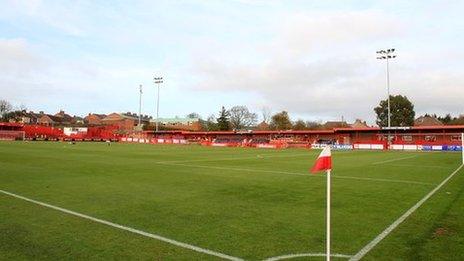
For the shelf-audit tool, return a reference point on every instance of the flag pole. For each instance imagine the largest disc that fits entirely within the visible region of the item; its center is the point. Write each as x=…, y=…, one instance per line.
x=328, y=217
x=462, y=147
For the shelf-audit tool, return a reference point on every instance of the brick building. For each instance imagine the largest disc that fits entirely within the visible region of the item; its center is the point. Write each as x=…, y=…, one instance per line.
x=427, y=121
x=94, y=119
x=49, y=120
x=186, y=124
x=124, y=121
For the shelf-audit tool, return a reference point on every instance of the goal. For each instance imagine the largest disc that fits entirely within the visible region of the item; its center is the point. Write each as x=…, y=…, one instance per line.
x=12, y=135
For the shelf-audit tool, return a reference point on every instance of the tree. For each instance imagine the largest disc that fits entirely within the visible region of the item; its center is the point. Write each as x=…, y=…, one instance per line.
x=22, y=107
x=193, y=115
x=313, y=125
x=241, y=117
x=223, y=122
x=266, y=114
x=446, y=119
x=210, y=124
x=457, y=120
x=299, y=125
x=281, y=121
x=402, y=112
x=5, y=107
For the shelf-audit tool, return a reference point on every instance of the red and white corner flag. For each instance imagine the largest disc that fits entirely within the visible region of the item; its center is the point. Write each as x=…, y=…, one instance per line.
x=324, y=161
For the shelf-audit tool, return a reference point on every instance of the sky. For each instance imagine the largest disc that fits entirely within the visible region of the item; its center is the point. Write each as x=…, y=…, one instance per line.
x=314, y=59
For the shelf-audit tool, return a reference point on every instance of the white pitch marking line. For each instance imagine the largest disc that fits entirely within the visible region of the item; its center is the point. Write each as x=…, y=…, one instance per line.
x=133, y=230
x=263, y=156
x=418, y=166
x=397, y=222
x=305, y=255
x=385, y=180
x=296, y=173
x=392, y=160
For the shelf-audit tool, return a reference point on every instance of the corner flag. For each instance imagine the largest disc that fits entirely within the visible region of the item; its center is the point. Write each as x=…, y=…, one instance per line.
x=324, y=162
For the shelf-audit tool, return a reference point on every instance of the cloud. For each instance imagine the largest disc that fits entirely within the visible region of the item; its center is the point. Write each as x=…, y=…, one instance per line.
x=322, y=65
x=17, y=58
x=305, y=32
x=313, y=65
x=65, y=17
x=38, y=81
x=316, y=60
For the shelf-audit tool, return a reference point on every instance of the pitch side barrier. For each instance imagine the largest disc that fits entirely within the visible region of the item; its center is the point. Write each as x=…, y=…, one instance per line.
x=357, y=146
x=154, y=140
x=334, y=146
x=426, y=147
x=404, y=147
x=203, y=143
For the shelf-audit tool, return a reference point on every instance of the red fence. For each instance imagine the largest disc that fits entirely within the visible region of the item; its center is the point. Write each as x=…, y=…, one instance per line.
x=42, y=132
x=51, y=133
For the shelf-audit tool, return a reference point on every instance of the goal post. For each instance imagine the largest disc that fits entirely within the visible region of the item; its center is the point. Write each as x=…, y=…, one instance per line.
x=12, y=135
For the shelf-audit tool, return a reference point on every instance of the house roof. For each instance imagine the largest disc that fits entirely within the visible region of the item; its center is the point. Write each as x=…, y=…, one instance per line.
x=63, y=116
x=53, y=118
x=135, y=116
x=359, y=124
x=100, y=116
x=427, y=121
x=334, y=124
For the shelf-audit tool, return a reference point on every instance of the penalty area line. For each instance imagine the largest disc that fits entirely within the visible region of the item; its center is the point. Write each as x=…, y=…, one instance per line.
x=250, y=157
x=397, y=222
x=393, y=160
x=129, y=229
x=290, y=256
x=297, y=173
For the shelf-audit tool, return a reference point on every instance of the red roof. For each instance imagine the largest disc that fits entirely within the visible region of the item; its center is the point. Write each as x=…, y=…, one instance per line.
x=11, y=124
x=438, y=127
x=357, y=129
x=335, y=130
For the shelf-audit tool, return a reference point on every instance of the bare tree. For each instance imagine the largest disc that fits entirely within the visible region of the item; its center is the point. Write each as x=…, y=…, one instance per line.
x=22, y=107
x=266, y=114
x=241, y=117
x=211, y=123
x=313, y=125
x=5, y=107
x=193, y=115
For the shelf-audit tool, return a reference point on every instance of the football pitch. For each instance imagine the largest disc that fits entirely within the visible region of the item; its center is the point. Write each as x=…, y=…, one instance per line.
x=171, y=202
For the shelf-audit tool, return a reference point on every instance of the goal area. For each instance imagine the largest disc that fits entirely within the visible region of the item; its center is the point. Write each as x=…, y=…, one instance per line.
x=12, y=135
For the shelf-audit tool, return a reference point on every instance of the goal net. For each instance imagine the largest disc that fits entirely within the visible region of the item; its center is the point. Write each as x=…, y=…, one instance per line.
x=12, y=135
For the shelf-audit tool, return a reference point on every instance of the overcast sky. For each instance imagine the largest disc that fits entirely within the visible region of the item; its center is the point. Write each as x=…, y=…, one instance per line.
x=315, y=59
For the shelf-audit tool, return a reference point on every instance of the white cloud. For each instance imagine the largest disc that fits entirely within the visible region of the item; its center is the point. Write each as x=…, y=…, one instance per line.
x=65, y=17
x=314, y=59
x=314, y=66
x=17, y=58
x=322, y=65
x=42, y=81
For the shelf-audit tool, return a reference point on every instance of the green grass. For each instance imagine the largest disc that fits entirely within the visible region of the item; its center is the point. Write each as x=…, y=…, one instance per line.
x=248, y=203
